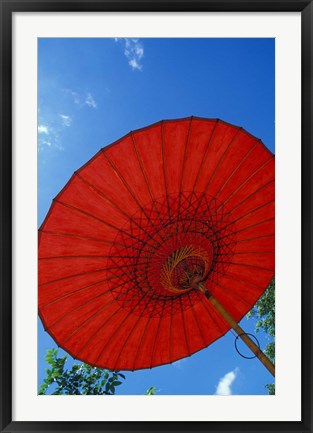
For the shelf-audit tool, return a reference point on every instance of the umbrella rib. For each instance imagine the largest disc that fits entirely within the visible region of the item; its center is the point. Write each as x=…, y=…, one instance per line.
x=199, y=204
x=256, y=238
x=57, y=233
x=93, y=315
x=222, y=319
x=171, y=333
x=184, y=160
x=115, y=330
x=141, y=342
x=83, y=273
x=71, y=276
x=101, y=221
x=100, y=193
x=106, y=322
x=238, y=166
x=236, y=295
x=164, y=166
x=223, y=156
x=253, y=210
x=246, y=180
x=69, y=313
x=254, y=252
x=204, y=156
x=144, y=173
x=130, y=333
x=244, y=216
x=198, y=324
x=86, y=257
x=184, y=325
x=125, y=184
x=248, y=198
x=156, y=336
x=245, y=228
x=95, y=333
x=208, y=306
x=94, y=256
x=254, y=225
x=250, y=266
x=81, y=289
x=51, y=232
x=232, y=277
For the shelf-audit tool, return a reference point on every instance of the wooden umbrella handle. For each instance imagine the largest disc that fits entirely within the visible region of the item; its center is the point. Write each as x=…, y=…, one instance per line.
x=239, y=331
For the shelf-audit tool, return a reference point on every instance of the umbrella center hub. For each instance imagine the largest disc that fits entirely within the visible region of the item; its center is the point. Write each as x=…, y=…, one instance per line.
x=184, y=266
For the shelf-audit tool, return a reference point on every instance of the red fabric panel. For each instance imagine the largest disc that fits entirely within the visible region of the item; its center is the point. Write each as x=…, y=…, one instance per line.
x=100, y=173
x=61, y=268
x=127, y=167
x=220, y=141
x=240, y=148
x=197, y=146
x=194, y=334
x=175, y=139
x=149, y=146
x=244, y=293
x=65, y=245
x=84, y=197
x=104, y=340
x=178, y=340
x=266, y=244
x=162, y=350
x=146, y=347
x=67, y=220
x=52, y=291
x=128, y=358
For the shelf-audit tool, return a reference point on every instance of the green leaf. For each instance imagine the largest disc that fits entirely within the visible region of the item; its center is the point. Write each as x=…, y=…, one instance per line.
x=151, y=391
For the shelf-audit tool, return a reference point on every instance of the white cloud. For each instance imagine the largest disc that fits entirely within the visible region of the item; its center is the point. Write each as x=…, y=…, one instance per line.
x=225, y=383
x=133, y=51
x=51, y=141
x=43, y=129
x=180, y=363
x=90, y=101
x=66, y=120
x=81, y=100
x=74, y=95
x=134, y=64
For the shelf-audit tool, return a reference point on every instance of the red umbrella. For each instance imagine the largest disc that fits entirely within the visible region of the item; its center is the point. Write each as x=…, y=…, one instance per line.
x=159, y=244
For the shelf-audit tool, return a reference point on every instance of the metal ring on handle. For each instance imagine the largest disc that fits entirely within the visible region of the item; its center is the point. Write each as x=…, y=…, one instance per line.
x=239, y=353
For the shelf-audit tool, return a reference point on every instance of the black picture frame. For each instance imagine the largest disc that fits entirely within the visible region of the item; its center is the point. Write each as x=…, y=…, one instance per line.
x=8, y=7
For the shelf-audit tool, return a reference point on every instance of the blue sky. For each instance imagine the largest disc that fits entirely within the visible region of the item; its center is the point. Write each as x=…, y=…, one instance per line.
x=93, y=91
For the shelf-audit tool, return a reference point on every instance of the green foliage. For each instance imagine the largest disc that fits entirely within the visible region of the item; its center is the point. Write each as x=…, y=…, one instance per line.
x=271, y=388
x=151, y=391
x=264, y=312
x=80, y=379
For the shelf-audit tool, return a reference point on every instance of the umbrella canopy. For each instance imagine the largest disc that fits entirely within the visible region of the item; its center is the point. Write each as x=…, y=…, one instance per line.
x=123, y=242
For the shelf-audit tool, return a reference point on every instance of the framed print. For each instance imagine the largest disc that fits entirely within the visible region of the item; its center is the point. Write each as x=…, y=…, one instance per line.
x=156, y=216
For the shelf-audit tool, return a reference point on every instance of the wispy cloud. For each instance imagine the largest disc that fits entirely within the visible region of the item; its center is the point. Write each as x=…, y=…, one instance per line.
x=81, y=99
x=74, y=95
x=43, y=129
x=90, y=101
x=66, y=120
x=225, y=383
x=133, y=51
x=49, y=137
x=180, y=363
x=50, y=130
